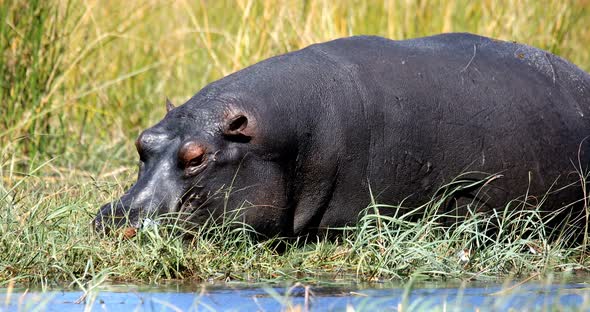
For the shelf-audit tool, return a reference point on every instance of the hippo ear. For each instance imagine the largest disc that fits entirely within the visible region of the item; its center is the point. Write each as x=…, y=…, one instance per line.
x=239, y=126
x=169, y=106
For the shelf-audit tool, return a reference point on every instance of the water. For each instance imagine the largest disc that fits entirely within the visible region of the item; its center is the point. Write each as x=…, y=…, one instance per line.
x=319, y=297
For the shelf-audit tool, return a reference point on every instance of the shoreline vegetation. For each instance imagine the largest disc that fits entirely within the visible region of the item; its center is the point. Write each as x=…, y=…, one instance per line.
x=58, y=245
x=80, y=79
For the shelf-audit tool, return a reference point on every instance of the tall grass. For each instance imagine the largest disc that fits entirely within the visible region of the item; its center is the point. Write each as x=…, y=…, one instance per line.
x=78, y=74
x=53, y=243
x=80, y=79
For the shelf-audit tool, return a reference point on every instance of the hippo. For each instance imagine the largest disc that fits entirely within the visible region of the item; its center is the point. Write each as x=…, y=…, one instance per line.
x=303, y=142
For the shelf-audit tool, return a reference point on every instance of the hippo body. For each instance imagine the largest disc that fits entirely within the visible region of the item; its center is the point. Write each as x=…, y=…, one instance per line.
x=300, y=141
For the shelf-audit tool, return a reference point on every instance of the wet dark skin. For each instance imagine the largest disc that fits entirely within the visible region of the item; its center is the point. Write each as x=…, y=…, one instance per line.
x=298, y=142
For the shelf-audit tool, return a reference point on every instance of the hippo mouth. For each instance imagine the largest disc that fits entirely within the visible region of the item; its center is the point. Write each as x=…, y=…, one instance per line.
x=189, y=211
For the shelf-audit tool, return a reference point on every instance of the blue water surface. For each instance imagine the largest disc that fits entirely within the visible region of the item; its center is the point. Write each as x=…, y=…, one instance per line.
x=255, y=297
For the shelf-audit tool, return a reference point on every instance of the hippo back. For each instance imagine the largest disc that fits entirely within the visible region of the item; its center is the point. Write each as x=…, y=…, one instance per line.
x=398, y=119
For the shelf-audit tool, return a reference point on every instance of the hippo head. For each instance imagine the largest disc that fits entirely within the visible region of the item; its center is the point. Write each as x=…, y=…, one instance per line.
x=203, y=160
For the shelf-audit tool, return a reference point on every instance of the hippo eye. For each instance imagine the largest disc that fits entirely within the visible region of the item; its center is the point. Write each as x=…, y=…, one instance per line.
x=192, y=156
x=197, y=161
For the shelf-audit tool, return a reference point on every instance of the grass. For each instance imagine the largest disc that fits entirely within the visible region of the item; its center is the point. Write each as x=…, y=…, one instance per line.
x=49, y=246
x=80, y=79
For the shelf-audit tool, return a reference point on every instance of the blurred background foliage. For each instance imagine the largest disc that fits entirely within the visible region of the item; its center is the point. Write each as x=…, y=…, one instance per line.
x=80, y=79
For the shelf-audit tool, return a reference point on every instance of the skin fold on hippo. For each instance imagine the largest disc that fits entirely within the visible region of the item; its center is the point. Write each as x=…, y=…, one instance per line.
x=298, y=142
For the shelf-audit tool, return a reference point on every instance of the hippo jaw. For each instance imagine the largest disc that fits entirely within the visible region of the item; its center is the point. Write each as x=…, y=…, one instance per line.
x=152, y=201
